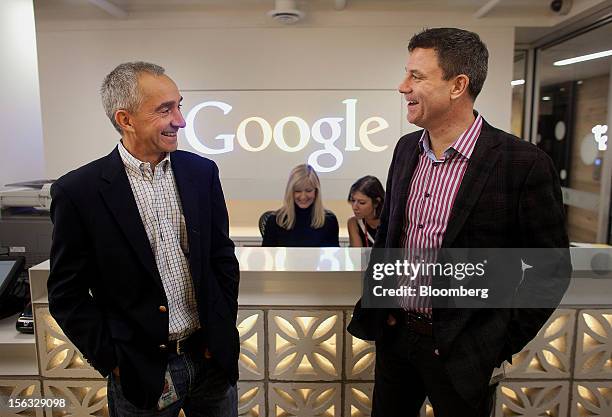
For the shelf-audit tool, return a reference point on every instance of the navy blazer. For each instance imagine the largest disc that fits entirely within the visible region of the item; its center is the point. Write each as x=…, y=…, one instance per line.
x=510, y=197
x=104, y=287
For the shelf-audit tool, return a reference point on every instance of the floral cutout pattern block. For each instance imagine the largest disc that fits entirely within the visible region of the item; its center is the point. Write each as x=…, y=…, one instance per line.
x=251, y=331
x=548, y=355
x=358, y=399
x=305, y=345
x=22, y=389
x=360, y=356
x=58, y=357
x=304, y=400
x=593, y=399
x=594, y=345
x=251, y=399
x=529, y=399
x=83, y=398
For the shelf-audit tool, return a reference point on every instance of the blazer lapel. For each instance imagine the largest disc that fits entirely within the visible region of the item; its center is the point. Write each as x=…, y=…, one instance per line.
x=404, y=176
x=188, y=191
x=479, y=168
x=117, y=194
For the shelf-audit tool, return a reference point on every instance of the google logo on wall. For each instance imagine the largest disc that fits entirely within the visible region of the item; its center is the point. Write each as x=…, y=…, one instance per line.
x=325, y=131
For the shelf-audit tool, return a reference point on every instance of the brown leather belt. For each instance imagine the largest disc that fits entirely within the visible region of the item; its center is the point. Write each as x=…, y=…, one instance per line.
x=418, y=323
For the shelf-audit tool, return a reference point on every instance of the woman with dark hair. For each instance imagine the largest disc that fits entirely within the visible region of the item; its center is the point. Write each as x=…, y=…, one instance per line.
x=366, y=197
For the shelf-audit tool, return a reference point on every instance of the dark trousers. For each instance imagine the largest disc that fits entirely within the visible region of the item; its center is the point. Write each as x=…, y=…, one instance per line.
x=408, y=370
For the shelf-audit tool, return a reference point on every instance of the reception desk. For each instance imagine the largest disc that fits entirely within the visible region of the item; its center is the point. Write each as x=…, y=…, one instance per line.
x=297, y=359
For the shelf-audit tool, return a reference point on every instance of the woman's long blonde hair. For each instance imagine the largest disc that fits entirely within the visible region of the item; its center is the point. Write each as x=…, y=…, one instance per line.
x=301, y=176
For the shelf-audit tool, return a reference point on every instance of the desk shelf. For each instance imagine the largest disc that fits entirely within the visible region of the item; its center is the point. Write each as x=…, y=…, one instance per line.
x=17, y=350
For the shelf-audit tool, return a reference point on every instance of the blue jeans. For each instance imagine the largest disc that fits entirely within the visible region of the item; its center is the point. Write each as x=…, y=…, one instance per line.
x=202, y=388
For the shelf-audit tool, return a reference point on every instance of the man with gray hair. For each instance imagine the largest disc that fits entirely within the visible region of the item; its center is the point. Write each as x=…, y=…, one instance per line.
x=144, y=280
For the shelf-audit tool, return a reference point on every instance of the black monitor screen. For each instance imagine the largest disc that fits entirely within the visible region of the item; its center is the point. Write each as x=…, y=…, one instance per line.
x=6, y=267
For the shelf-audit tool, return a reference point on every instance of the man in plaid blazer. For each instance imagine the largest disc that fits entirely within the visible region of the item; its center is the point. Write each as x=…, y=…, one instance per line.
x=498, y=192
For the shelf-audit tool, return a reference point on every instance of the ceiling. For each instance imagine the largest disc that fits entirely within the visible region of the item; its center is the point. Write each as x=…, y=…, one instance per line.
x=80, y=9
x=594, y=41
x=516, y=10
x=134, y=5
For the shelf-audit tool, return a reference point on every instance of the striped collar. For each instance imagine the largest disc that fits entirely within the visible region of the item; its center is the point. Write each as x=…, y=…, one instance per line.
x=464, y=145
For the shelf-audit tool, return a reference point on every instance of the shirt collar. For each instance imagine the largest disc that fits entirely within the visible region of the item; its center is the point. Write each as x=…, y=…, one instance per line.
x=136, y=166
x=465, y=143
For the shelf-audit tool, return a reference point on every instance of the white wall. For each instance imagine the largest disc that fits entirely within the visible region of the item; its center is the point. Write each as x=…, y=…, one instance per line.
x=21, y=155
x=74, y=59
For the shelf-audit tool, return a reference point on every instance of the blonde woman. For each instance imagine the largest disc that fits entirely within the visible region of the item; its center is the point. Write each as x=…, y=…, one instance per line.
x=302, y=221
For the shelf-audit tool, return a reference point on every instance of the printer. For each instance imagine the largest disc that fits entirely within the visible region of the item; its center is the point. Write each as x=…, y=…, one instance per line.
x=25, y=224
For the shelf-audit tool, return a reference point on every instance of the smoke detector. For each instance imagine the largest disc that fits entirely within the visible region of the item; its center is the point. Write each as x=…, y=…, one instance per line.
x=286, y=12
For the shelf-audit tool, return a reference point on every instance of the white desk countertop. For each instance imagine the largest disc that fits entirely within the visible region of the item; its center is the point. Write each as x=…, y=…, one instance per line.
x=332, y=277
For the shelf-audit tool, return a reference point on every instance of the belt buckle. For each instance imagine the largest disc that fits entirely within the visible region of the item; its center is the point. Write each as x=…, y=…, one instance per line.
x=418, y=323
x=179, y=345
x=418, y=318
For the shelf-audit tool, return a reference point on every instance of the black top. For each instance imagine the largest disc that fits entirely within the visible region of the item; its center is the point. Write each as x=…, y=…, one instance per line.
x=302, y=234
x=369, y=240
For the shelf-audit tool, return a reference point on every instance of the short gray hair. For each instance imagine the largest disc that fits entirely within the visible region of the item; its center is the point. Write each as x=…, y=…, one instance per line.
x=119, y=90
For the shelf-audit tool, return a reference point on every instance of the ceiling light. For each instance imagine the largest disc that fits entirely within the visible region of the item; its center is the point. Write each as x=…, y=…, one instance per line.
x=517, y=82
x=546, y=98
x=583, y=58
x=286, y=12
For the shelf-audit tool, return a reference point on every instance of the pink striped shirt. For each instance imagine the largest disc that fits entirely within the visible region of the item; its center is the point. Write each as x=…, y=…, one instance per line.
x=433, y=189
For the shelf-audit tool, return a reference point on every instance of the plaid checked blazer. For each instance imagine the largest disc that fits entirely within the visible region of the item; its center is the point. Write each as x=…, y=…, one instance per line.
x=510, y=197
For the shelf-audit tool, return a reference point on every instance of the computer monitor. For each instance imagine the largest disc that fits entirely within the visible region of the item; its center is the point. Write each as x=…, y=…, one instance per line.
x=8, y=269
x=9, y=272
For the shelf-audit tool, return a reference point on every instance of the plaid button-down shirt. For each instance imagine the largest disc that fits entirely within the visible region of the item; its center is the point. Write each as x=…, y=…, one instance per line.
x=161, y=212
